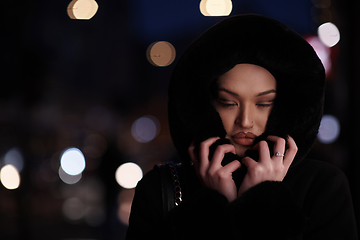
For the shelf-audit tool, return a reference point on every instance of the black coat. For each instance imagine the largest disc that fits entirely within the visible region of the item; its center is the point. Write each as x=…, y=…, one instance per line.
x=312, y=202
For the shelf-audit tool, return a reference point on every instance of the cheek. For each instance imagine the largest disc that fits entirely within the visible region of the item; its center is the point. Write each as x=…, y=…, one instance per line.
x=262, y=120
x=228, y=119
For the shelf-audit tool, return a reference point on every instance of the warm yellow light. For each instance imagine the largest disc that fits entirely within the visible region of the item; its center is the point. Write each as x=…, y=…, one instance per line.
x=215, y=7
x=203, y=8
x=82, y=9
x=161, y=54
x=10, y=177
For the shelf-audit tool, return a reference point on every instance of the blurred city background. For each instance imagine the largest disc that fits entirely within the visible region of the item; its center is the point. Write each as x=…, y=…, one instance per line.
x=83, y=102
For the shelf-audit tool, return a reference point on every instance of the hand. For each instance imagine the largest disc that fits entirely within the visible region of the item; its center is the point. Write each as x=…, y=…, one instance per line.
x=210, y=172
x=268, y=168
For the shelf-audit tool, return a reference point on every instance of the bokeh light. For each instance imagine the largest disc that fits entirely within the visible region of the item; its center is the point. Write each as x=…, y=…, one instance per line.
x=329, y=129
x=10, y=177
x=128, y=175
x=329, y=34
x=145, y=128
x=161, y=53
x=82, y=9
x=322, y=51
x=72, y=161
x=215, y=7
x=73, y=208
x=15, y=158
x=69, y=179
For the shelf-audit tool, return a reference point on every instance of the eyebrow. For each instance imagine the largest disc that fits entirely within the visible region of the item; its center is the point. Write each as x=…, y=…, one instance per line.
x=266, y=92
x=260, y=94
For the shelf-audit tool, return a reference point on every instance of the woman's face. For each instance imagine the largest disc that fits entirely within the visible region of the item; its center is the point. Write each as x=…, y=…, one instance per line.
x=245, y=97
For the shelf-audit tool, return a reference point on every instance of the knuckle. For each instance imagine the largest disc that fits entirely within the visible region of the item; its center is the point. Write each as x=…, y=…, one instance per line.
x=220, y=148
x=220, y=175
x=192, y=154
x=278, y=170
x=263, y=143
x=202, y=174
x=256, y=171
x=296, y=148
x=190, y=149
x=225, y=147
x=281, y=141
x=211, y=173
x=203, y=145
x=223, y=174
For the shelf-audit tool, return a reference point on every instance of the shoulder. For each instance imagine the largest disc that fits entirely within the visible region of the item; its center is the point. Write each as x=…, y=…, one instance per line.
x=316, y=169
x=151, y=177
x=327, y=175
x=323, y=191
x=311, y=179
x=147, y=202
x=150, y=183
x=315, y=183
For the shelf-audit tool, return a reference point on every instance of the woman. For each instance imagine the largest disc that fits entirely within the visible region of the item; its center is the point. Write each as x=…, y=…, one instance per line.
x=245, y=104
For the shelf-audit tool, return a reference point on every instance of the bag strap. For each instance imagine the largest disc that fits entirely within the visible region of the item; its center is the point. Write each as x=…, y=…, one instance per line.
x=170, y=185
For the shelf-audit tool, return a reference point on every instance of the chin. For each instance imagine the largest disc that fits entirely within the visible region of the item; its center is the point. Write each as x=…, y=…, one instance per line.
x=240, y=150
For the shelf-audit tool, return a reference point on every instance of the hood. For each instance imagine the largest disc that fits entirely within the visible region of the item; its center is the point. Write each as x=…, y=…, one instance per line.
x=253, y=39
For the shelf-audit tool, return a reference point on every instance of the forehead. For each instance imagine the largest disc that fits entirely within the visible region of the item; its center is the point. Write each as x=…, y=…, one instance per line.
x=247, y=78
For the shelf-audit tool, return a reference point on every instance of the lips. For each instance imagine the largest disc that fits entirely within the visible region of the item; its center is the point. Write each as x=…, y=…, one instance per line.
x=245, y=139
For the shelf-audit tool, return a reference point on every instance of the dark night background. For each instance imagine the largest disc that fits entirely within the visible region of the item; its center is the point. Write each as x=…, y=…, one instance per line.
x=63, y=80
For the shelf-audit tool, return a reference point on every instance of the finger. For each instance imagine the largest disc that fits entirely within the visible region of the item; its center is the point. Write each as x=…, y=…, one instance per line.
x=232, y=166
x=264, y=151
x=279, y=146
x=220, y=152
x=204, y=154
x=193, y=157
x=249, y=162
x=204, y=148
x=226, y=172
x=218, y=157
x=291, y=152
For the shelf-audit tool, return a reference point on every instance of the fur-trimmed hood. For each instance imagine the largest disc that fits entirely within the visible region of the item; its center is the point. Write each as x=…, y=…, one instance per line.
x=252, y=39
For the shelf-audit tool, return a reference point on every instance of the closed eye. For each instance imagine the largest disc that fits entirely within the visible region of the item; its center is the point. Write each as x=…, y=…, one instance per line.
x=226, y=103
x=266, y=104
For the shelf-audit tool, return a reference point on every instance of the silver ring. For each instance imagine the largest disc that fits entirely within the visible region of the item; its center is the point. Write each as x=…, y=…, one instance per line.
x=192, y=162
x=277, y=154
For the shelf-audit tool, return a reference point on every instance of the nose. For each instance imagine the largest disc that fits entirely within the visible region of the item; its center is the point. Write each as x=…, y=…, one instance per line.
x=245, y=118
